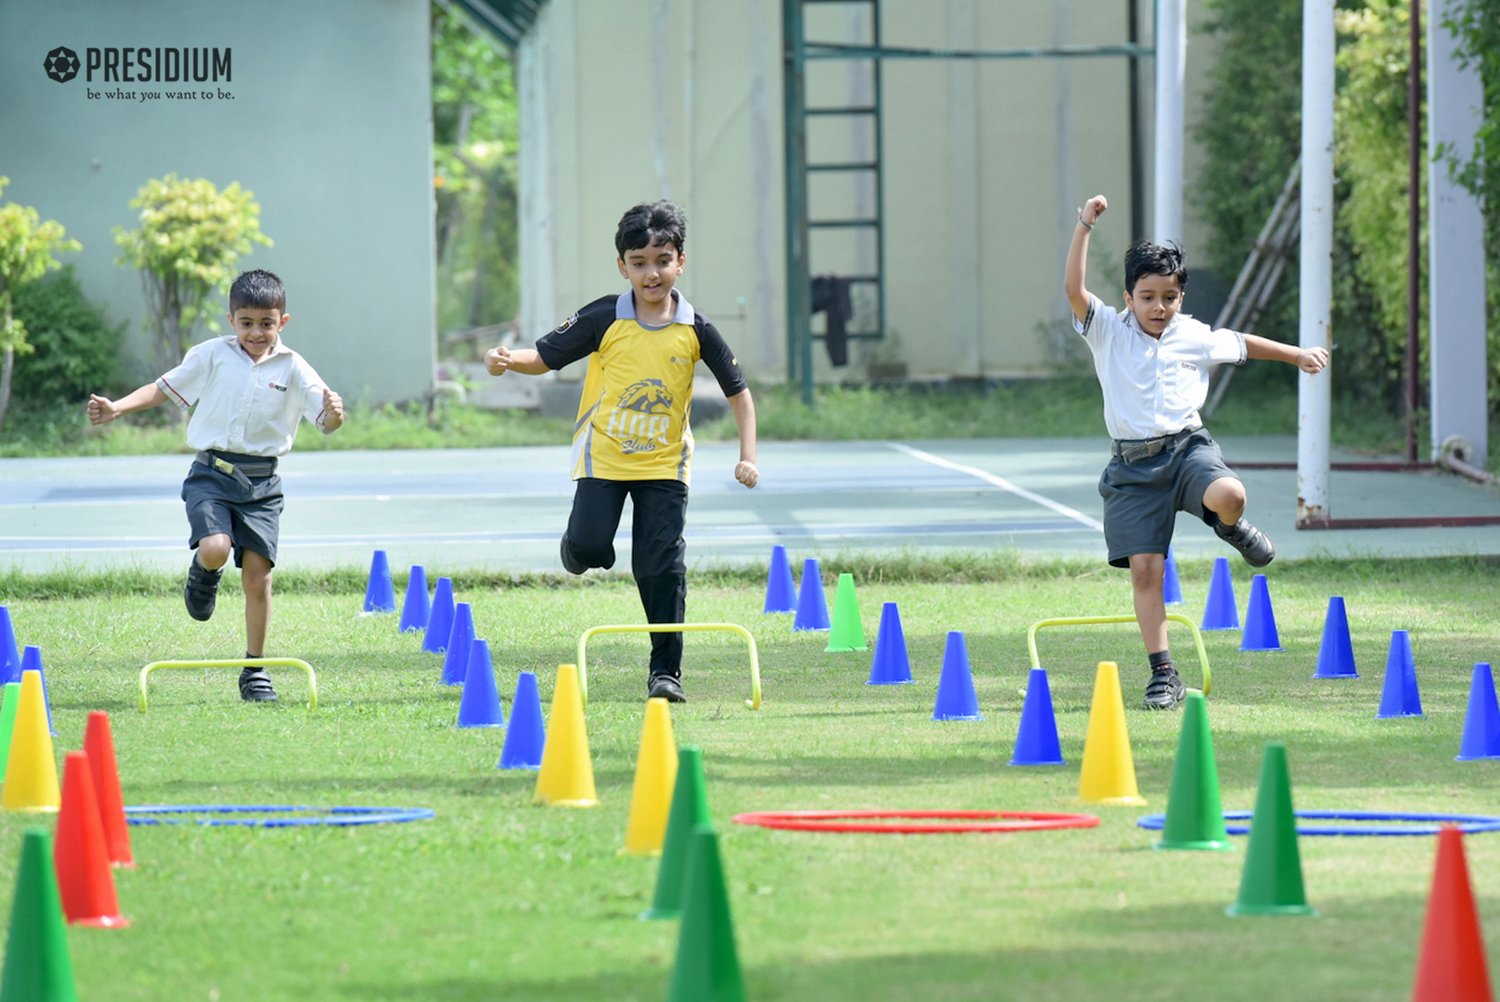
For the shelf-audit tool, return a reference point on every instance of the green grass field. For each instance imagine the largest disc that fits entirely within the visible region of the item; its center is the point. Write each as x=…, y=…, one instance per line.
x=496, y=898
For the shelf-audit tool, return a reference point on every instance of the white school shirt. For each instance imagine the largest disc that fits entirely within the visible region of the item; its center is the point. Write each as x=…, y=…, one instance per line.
x=243, y=406
x=1154, y=387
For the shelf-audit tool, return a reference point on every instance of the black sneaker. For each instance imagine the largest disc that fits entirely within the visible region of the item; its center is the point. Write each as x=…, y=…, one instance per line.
x=666, y=687
x=255, y=686
x=570, y=563
x=201, y=590
x=1165, y=690
x=1255, y=546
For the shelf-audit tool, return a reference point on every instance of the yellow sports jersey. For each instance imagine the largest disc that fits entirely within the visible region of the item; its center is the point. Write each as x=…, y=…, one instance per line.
x=635, y=409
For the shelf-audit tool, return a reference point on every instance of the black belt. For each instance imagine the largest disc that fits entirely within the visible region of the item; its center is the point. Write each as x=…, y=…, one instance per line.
x=240, y=470
x=1133, y=450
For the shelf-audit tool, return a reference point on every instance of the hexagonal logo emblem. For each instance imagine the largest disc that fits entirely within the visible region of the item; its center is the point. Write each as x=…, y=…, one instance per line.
x=61, y=64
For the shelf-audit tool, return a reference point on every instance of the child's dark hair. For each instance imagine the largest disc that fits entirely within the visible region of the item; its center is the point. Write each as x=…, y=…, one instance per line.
x=257, y=290
x=651, y=223
x=1147, y=258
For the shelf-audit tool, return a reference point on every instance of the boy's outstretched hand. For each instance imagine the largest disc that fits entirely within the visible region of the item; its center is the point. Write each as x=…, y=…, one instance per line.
x=1312, y=360
x=101, y=409
x=1092, y=210
x=497, y=360
x=746, y=473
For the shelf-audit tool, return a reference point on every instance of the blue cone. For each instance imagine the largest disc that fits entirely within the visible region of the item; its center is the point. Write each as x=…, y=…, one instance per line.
x=460, y=640
x=417, y=608
x=781, y=591
x=440, y=622
x=1399, y=696
x=1336, y=653
x=10, y=654
x=812, y=605
x=1482, y=723
x=890, y=665
x=526, y=734
x=1036, y=741
x=1171, y=585
x=955, y=695
x=480, y=705
x=380, y=594
x=1219, y=612
x=1260, y=622
x=31, y=660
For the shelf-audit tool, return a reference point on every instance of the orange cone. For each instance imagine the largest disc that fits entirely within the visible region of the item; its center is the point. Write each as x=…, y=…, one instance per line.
x=84, y=880
x=1451, y=967
x=99, y=745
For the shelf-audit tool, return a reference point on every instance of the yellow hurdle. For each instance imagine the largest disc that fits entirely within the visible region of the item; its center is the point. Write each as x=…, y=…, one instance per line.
x=1172, y=617
x=583, y=670
x=312, y=679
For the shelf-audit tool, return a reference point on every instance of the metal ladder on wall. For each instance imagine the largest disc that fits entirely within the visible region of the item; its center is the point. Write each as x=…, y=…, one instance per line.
x=798, y=50
x=1260, y=273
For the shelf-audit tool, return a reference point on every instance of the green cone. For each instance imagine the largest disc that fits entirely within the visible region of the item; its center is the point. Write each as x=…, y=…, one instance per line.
x=1195, y=819
x=689, y=808
x=708, y=967
x=37, y=966
x=847, y=632
x=11, y=702
x=1271, y=883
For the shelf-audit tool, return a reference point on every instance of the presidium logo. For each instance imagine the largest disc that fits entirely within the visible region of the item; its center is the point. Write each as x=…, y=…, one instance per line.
x=62, y=64
x=145, y=65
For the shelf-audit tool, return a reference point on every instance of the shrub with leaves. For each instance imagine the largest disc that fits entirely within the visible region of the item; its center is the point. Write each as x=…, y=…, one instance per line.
x=28, y=250
x=190, y=237
x=76, y=349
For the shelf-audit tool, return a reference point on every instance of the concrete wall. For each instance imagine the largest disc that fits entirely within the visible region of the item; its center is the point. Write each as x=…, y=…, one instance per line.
x=326, y=118
x=985, y=163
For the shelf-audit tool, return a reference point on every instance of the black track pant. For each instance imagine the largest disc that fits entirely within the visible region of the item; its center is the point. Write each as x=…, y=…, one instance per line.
x=658, y=551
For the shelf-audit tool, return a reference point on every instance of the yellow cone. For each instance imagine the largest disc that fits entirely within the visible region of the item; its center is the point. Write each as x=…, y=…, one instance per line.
x=566, y=778
x=1108, y=773
x=31, y=769
x=655, y=777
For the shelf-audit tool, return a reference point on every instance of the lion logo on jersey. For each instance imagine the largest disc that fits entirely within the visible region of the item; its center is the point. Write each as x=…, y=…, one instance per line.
x=647, y=396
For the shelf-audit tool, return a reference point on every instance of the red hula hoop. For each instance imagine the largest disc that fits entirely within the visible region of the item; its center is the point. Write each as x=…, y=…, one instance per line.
x=872, y=822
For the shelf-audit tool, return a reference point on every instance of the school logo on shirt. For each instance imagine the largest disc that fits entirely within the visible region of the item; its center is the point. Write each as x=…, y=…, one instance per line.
x=565, y=324
x=646, y=396
x=277, y=387
x=1188, y=366
x=641, y=417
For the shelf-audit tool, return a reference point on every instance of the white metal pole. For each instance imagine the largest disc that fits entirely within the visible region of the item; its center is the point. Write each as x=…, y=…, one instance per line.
x=1455, y=242
x=1171, y=58
x=1315, y=393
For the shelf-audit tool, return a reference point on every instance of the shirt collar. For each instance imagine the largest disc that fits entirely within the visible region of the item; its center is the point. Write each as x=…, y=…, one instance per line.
x=625, y=308
x=233, y=343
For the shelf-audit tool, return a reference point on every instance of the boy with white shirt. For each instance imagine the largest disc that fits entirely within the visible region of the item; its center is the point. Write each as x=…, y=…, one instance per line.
x=1153, y=365
x=251, y=392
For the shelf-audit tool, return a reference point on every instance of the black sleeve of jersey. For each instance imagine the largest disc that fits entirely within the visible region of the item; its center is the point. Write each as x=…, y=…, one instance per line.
x=719, y=359
x=579, y=336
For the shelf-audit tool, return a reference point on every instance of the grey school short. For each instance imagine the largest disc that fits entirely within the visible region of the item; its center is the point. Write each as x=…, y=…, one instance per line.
x=217, y=503
x=1142, y=499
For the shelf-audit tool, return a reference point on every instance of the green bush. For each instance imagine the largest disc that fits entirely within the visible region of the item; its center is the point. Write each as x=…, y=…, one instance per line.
x=76, y=348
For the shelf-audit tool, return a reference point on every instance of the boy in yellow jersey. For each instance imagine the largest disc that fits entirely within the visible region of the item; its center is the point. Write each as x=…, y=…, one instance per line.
x=632, y=438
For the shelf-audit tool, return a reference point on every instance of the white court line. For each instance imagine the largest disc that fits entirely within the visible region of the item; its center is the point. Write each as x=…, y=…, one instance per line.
x=1002, y=483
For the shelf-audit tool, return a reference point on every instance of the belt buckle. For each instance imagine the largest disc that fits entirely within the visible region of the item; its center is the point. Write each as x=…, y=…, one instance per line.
x=224, y=466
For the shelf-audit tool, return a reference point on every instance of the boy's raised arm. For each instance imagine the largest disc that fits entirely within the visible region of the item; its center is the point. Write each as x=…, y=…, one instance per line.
x=499, y=360
x=103, y=410
x=1078, y=252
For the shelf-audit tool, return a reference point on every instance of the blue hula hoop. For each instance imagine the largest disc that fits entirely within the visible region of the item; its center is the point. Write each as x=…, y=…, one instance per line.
x=1412, y=823
x=161, y=814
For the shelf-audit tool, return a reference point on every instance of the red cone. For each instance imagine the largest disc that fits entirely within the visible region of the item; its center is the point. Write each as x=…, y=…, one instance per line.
x=100, y=748
x=84, y=880
x=1451, y=967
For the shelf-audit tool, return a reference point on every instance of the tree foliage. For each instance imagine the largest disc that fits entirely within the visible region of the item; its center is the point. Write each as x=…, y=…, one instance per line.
x=28, y=250
x=475, y=137
x=190, y=237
